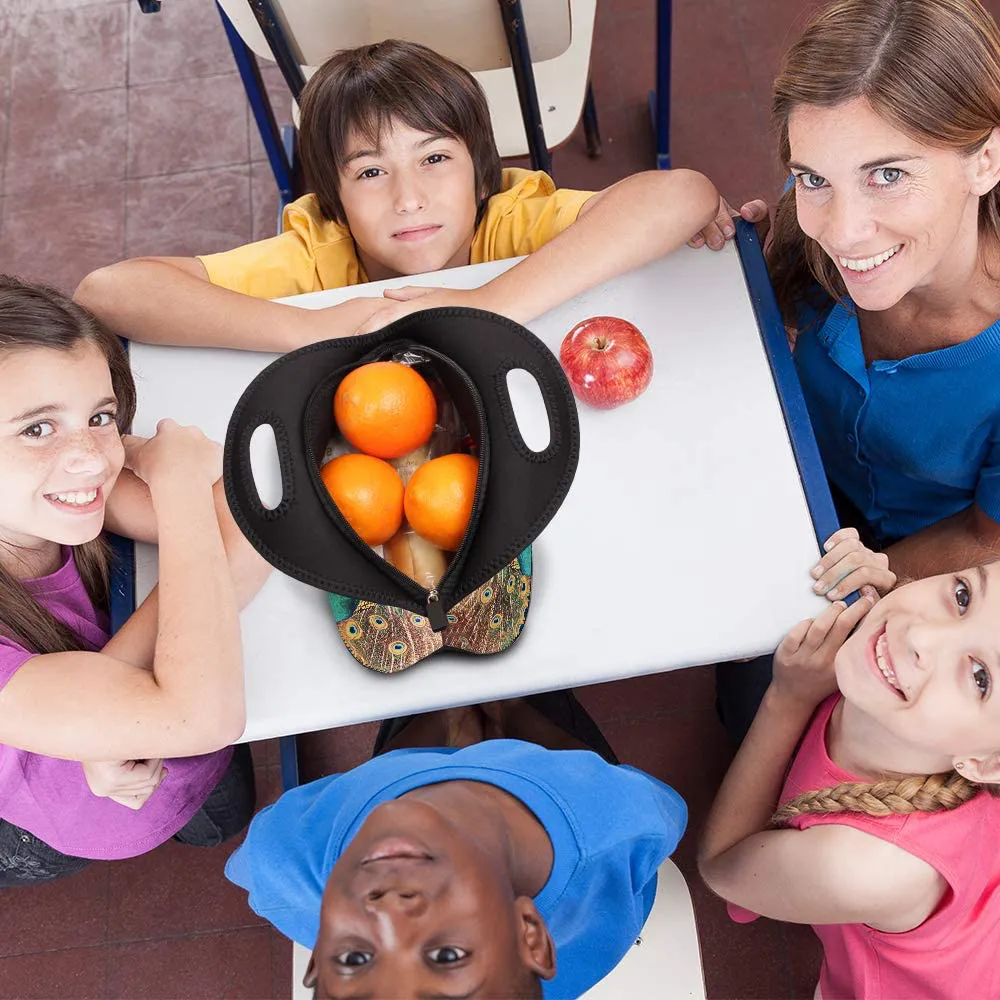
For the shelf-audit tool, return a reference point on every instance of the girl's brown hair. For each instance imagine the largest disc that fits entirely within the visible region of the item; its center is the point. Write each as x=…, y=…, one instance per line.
x=897, y=795
x=33, y=316
x=366, y=88
x=930, y=68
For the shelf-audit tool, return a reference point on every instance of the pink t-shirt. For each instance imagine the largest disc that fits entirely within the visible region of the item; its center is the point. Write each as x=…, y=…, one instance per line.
x=50, y=797
x=952, y=953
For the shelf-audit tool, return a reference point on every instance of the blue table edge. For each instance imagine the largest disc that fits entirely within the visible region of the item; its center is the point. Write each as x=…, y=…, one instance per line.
x=786, y=381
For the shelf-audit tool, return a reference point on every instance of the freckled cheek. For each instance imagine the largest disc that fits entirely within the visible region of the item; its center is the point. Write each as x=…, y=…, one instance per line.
x=115, y=456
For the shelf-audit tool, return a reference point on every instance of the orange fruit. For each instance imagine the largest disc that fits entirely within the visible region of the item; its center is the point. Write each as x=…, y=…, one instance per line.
x=368, y=492
x=438, y=499
x=385, y=409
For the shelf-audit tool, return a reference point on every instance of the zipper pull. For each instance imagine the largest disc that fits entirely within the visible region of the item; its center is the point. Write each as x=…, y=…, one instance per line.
x=435, y=612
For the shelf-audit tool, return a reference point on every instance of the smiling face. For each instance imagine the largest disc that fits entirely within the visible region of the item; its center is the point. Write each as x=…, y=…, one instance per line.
x=925, y=663
x=410, y=201
x=60, y=450
x=414, y=907
x=893, y=215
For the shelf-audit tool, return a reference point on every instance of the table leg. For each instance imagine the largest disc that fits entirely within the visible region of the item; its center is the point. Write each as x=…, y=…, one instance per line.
x=660, y=98
x=289, y=762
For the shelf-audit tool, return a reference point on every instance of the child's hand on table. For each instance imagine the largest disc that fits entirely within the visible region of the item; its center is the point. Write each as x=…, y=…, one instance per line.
x=721, y=228
x=413, y=298
x=849, y=565
x=155, y=460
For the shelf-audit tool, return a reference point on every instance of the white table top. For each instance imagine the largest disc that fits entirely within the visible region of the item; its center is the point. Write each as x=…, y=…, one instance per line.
x=685, y=538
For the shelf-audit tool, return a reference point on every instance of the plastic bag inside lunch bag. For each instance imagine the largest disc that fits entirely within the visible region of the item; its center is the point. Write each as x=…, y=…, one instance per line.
x=417, y=466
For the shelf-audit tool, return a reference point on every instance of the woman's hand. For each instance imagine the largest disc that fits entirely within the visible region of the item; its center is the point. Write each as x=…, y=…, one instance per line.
x=803, y=662
x=174, y=454
x=722, y=228
x=849, y=565
x=127, y=782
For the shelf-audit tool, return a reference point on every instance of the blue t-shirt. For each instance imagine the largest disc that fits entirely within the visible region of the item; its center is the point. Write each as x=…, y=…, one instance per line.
x=909, y=442
x=610, y=827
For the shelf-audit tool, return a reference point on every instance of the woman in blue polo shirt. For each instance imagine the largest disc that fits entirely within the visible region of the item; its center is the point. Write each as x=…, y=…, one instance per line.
x=885, y=258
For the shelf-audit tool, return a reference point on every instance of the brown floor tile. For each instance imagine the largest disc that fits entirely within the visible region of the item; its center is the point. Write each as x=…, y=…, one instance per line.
x=235, y=965
x=711, y=60
x=653, y=695
x=268, y=778
x=82, y=140
x=58, y=236
x=265, y=752
x=690, y=751
x=186, y=125
x=264, y=201
x=190, y=213
x=745, y=961
x=6, y=51
x=67, y=4
x=605, y=59
x=68, y=913
x=80, y=973
x=80, y=48
x=805, y=955
x=154, y=895
x=281, y=104
x=732, y=151
x=183, y=41
x=767, y=28
x=332, y=751
x=281, y=966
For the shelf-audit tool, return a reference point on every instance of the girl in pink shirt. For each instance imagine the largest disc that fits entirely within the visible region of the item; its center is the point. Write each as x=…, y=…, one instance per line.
x=884, y=835
x=109, y=745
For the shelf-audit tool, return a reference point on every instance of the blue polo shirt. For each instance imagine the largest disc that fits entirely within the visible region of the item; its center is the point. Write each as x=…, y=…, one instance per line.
x=909, y=442
x=610, y=827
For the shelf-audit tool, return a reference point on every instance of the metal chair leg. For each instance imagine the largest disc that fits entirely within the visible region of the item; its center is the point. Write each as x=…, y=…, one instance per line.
x=591, y=130
x=246, y=62
x=524, y=77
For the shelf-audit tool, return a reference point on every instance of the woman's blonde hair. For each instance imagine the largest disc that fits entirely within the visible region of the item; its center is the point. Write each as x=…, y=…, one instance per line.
x=930, y=68
x=898, y=795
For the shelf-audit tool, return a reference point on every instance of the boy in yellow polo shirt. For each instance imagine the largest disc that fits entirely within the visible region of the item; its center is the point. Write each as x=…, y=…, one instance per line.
x=398, y=150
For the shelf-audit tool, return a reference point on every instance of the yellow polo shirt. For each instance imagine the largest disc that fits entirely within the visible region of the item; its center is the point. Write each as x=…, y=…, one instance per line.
x=313, y=253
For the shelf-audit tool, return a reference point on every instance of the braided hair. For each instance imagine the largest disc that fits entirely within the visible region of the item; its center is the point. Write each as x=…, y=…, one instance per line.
x=898, y=795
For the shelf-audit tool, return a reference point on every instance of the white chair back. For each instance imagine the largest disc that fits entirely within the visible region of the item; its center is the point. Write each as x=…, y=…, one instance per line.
x=560, y=34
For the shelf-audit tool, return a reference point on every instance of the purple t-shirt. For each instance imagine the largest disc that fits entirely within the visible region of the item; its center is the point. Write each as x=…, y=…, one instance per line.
x=50, y=797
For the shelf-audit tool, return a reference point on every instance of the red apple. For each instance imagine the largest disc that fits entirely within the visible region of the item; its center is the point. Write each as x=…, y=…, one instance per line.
x=607, y=361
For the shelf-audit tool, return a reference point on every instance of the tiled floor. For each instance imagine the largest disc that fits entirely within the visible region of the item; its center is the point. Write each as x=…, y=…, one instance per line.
x=124, y=134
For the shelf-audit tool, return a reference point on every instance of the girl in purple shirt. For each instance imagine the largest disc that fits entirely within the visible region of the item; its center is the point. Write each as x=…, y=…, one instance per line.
x=109, y=745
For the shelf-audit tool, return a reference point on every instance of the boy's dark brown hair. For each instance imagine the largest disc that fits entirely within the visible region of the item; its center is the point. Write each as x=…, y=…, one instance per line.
x=366, y=88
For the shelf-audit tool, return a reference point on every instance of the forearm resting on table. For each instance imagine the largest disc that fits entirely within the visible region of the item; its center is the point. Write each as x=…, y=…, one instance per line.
x=171, y=301
x=968, y=538
x=635, y=221
x=198, y=644
x=751, y=788
x=135, y=641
